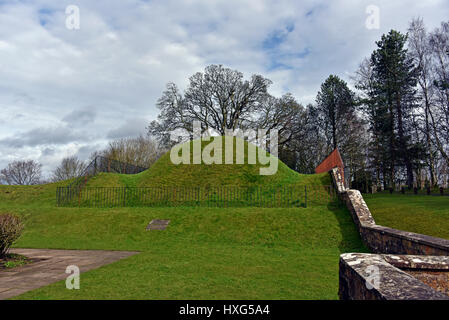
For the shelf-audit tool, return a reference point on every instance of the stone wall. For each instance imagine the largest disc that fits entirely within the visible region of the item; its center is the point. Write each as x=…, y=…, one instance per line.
x=395, y=250
x=379, y=277
x=380, y=239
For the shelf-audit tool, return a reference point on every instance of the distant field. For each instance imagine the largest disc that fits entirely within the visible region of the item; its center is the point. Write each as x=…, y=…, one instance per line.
x=415, y=213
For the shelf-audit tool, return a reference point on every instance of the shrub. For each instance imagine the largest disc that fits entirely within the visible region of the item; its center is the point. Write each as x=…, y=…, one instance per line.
x=11, y=228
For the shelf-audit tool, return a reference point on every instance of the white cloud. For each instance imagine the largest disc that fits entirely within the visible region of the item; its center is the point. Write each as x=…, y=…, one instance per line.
x=131, y=128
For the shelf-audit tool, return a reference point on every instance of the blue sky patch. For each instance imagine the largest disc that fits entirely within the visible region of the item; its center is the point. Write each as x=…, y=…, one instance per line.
x=277, y=37
x=44, y=16
x=281, y=60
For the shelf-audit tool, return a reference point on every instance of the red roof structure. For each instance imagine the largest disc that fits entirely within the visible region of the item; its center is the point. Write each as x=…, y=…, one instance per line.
x=333, y=160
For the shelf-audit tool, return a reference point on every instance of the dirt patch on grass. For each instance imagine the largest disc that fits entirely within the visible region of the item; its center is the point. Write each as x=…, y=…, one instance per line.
x=14, y=260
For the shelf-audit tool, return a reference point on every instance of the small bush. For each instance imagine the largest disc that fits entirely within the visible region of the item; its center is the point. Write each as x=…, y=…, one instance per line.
x=11, y=228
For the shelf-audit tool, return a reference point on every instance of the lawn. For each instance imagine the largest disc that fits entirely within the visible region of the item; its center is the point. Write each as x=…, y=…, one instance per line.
x=205, y=253
x=415, y=213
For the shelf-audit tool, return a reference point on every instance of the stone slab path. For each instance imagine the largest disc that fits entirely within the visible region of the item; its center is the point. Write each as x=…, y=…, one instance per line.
x=50, y=267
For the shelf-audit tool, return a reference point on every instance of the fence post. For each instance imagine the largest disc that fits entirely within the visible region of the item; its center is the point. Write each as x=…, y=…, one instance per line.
x=124, y=196
x=305, y=196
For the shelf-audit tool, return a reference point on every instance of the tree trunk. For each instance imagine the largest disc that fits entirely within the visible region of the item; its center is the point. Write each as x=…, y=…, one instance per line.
x=437, y=140
x=433, y=179
x=403, y=147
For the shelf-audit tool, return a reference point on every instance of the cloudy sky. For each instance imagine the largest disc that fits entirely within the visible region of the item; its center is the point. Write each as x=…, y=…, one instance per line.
x=68, y=91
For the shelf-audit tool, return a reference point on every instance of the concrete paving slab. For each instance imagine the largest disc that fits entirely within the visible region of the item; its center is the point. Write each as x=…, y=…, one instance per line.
x=52, y=268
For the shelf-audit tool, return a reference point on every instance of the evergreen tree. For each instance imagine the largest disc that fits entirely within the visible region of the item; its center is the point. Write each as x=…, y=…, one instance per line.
x=338, y=122
x=394, y=81
x=335, y=105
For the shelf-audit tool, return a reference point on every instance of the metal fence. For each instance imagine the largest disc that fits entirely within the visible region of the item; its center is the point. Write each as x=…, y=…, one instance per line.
x=219, y=196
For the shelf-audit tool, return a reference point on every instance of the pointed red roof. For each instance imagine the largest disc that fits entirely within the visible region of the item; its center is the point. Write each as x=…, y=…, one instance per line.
x=333, y=160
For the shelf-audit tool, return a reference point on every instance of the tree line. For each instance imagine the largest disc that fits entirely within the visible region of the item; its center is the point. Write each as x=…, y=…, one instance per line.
x=404, y=96
x=391, y=129
x=141, y=151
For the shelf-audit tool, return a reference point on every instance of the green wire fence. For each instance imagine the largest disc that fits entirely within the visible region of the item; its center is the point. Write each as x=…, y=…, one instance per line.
x=212, y=196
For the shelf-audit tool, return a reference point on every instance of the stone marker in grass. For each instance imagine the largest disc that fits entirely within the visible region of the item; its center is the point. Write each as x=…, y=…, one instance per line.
x=158, y=224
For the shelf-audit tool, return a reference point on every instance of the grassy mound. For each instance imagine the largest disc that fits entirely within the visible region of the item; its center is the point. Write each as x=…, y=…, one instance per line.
x=219, y=183
x=165, y=173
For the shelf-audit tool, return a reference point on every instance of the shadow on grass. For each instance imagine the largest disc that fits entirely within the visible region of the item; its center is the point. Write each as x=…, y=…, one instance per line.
x=350, y=237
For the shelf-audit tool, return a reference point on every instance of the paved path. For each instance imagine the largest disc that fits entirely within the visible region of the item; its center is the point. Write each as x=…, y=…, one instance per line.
x=50, y=267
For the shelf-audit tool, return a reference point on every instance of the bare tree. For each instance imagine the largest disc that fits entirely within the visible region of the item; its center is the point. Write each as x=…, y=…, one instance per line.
x=306, y=147
x=439, y=44
x=284, y=114
x=140, y=151
x=22, y=173
x=420, y=50
x=70, y=167
x=219, y=98
x=364, y=82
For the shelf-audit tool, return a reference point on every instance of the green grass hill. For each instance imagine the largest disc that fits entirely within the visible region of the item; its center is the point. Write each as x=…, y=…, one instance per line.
x=165, y=173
